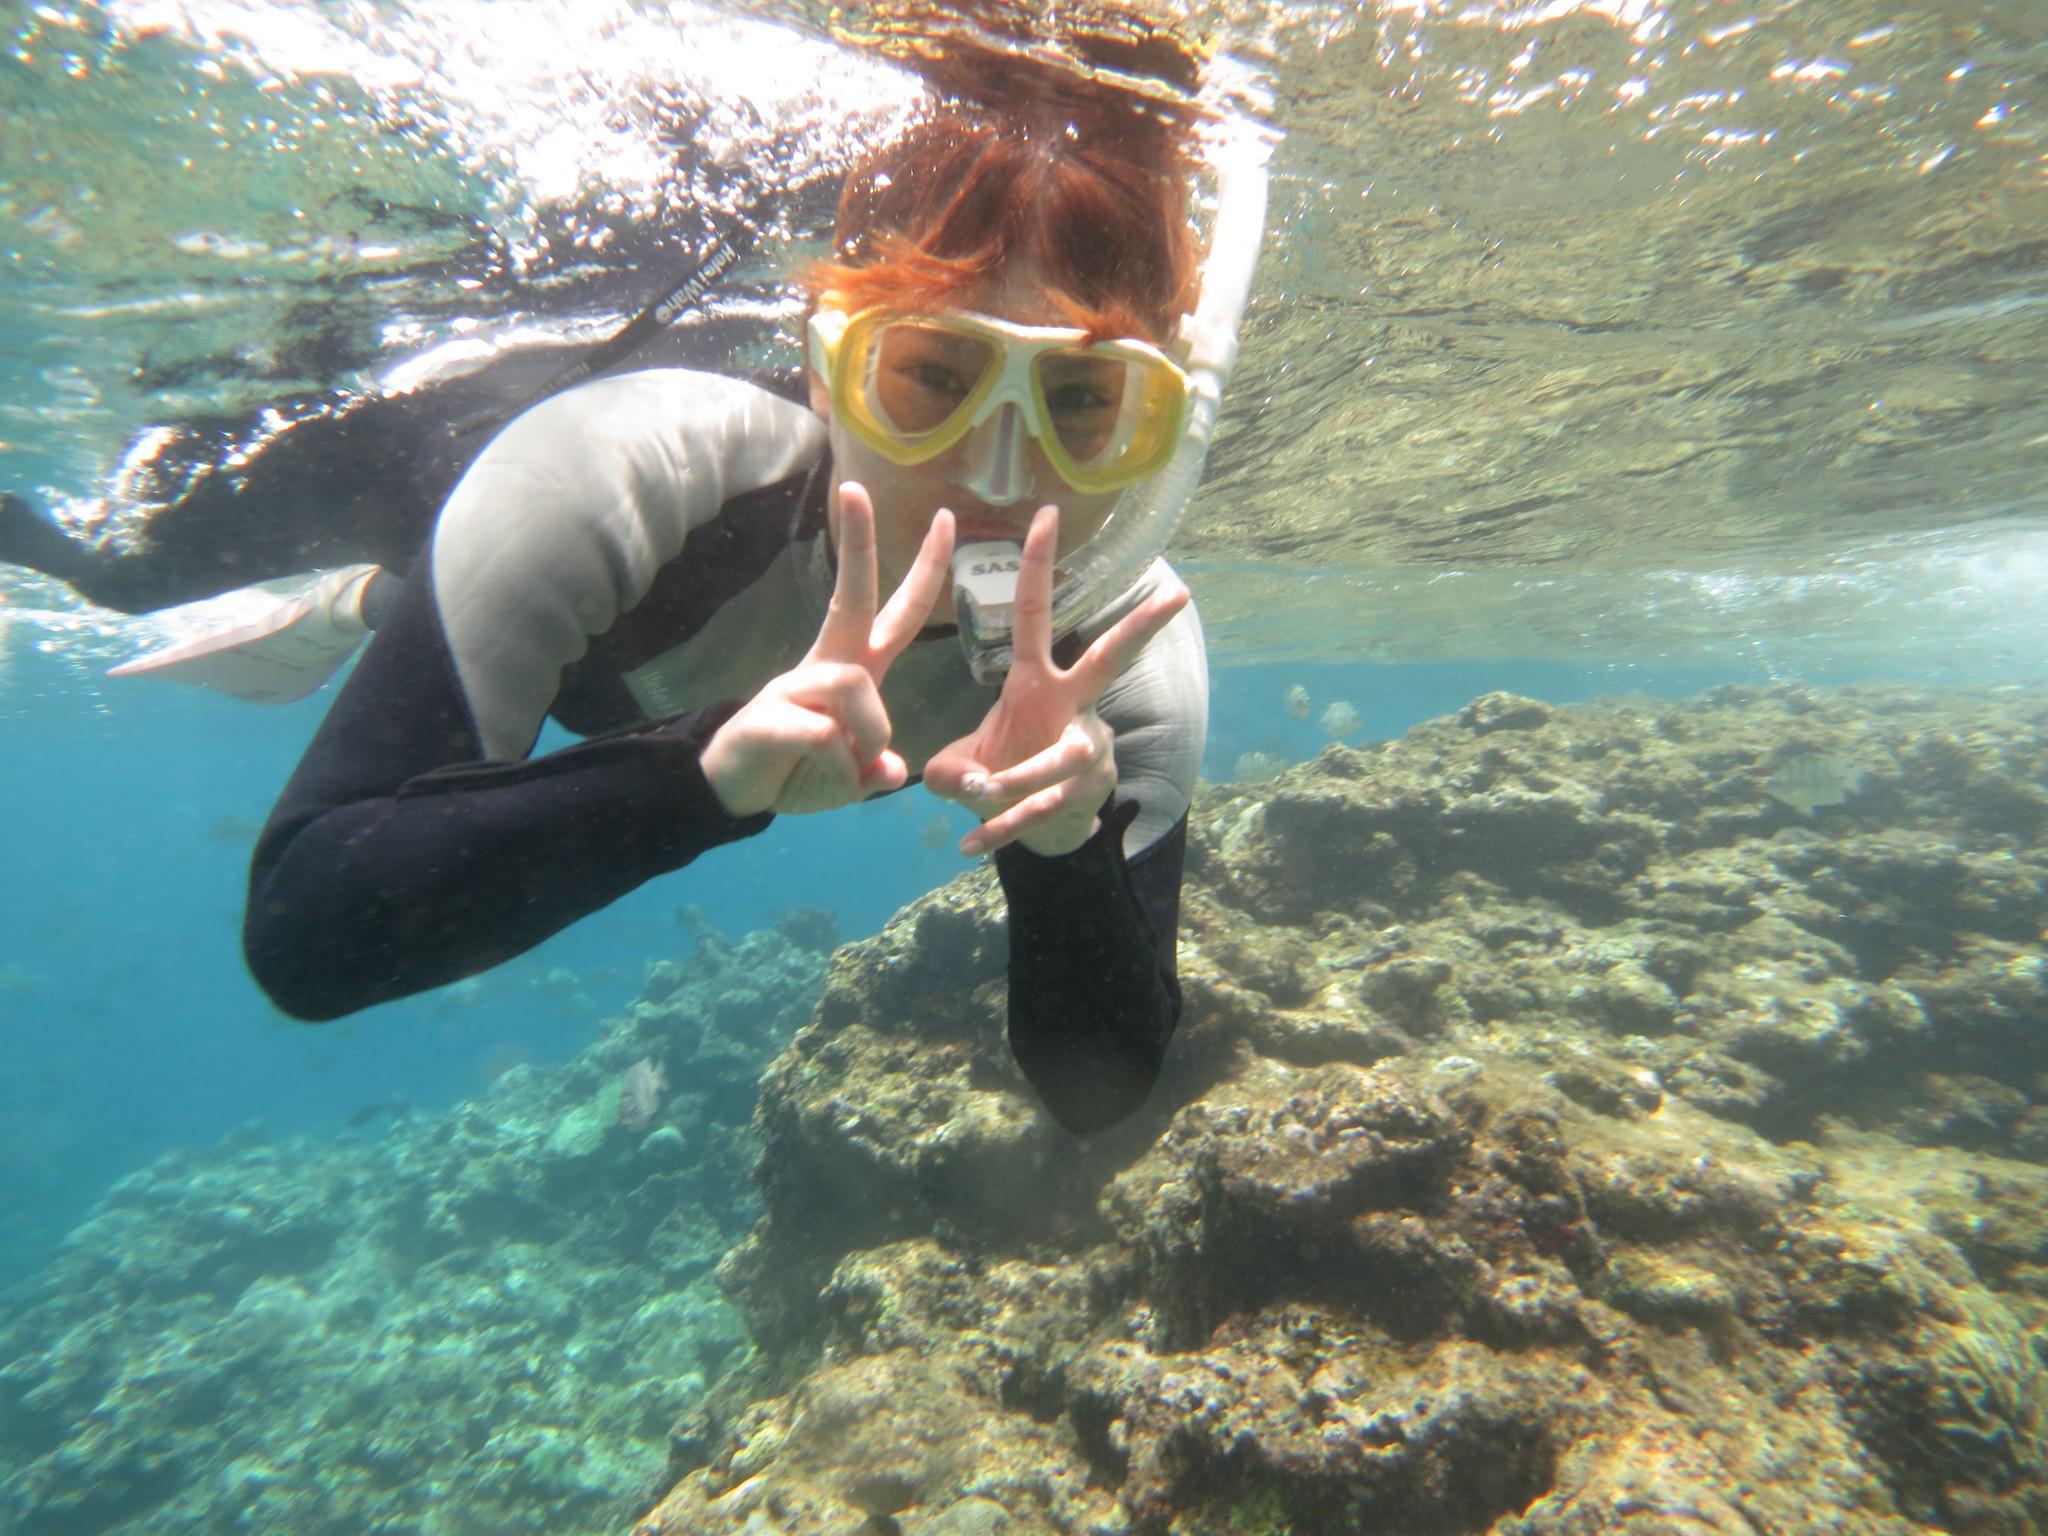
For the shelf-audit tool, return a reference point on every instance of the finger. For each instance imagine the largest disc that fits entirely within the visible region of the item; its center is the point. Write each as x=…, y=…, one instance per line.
x=1039, y=810
x=948, y=775
x=912, y=602
x=885, y=775
x=829, y=776
x=1118, y=646
x=822, y=771
x=1031, y=629
x=844, y=693
x=844, y=634
x=1073, y=753
x=864, y=722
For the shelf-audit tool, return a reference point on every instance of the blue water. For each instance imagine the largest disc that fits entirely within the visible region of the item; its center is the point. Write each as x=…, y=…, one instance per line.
x=130, y=1027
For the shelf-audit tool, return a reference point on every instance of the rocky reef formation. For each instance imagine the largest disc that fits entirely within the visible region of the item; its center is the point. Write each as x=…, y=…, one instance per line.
x=1566, y=1134
x=481, y=1323
x=1629, y=1118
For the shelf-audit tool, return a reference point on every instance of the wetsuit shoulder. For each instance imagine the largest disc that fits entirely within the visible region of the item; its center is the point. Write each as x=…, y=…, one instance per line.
x=566, y=518
x=416, y=842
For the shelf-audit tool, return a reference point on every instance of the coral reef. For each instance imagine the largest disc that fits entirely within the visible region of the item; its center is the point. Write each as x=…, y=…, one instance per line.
x=1566, y=1135
x=480, y=1323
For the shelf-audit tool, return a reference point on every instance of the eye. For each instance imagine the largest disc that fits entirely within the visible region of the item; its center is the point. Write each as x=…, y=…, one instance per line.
x=1079, y=386
x=924, y=374
x=1077, y=398
x=935, y=377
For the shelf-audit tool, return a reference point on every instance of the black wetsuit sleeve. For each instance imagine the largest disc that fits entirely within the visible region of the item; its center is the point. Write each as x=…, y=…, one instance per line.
x=399, y=859
x=1094, y=986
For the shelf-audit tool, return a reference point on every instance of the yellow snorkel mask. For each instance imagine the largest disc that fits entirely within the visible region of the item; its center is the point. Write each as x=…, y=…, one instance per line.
x=1106, y=414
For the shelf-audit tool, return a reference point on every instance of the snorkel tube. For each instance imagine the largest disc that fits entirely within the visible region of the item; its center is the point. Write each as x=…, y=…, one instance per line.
x=1099, y=577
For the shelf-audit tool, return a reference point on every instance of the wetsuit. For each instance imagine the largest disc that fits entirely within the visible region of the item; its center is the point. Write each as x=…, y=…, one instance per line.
x=315, y=480
x=638, y=557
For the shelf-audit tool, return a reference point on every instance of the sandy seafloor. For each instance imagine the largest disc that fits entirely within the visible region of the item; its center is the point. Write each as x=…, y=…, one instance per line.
x=1564, y=1134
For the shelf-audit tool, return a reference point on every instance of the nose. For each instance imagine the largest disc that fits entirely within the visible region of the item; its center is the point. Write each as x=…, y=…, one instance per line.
x=996, y=467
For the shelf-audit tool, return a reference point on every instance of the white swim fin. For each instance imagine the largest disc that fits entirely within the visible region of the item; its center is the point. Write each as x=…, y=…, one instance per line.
x=267, y=644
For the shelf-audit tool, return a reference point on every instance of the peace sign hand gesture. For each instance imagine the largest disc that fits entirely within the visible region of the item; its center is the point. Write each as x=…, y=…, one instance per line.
x=1042, y=762
x=817, y=737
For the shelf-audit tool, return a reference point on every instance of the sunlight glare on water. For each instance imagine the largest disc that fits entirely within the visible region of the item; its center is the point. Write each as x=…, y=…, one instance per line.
x=1600, y=308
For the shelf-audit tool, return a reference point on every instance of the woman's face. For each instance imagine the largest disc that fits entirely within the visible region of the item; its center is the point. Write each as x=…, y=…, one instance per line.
x=906, y=497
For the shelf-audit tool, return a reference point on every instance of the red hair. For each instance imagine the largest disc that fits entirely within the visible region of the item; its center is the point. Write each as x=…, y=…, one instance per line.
x=951, y=206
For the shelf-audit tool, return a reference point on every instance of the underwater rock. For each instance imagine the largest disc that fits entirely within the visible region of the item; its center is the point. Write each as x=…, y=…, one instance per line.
x=1531, y=1159
x=1285, y=1175
x=937, y=1437
x=896, y=1111
x=1562, y=1137
x=420, y=1331
x=1652, y=1479
x=1345, y=1440
x=1503, y=712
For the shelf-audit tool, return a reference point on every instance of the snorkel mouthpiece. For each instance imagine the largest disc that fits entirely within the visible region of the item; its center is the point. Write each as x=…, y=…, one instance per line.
x=985, y=603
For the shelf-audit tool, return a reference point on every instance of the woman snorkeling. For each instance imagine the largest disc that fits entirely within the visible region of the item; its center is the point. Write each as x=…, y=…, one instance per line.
x=745, y=606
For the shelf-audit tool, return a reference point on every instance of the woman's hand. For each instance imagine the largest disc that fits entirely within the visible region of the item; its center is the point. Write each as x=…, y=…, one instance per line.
x=1042, y=763
x=817, y=737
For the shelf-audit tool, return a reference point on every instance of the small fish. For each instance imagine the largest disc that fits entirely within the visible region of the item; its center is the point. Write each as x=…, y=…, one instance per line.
x=1812, y=780
x=1257, y=767
x=398, y=1107
x=640, y=1092
x=1296, y=700
x=881, y=1498
x=1341, y=720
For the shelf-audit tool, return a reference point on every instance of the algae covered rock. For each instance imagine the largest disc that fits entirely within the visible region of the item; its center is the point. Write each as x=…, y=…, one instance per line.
x=897, y=1107
x=482, y=1321
x=1565, y=1134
